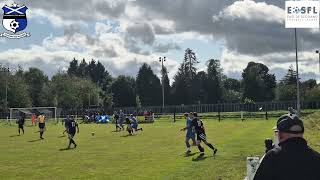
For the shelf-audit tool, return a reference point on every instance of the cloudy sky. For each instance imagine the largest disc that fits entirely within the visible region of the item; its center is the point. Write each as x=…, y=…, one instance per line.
x=123, y=34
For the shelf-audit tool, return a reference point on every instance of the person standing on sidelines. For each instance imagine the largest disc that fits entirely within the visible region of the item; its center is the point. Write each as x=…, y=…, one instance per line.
x=33, y=119
x=293, y=159
x=190, y=132
x=42, y=124
x=201, y=135
x=72, y=129
x=20, y=122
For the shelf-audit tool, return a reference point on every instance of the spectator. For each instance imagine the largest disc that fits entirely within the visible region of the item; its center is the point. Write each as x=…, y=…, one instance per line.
x=293, y=159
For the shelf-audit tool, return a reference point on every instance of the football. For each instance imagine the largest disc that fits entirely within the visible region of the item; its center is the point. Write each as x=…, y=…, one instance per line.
x=14, y=25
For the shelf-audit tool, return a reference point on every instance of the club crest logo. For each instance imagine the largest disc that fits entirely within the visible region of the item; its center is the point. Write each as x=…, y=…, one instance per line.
x=14, y=20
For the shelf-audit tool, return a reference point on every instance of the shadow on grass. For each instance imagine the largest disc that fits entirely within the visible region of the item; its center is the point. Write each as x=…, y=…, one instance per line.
x=62, y=136
x=36, y=140
x=67, y=149
x=128, y=135
x=14, y=135
x=37, y=132
x=200, y=158
x=115, y=131
x=190, y=154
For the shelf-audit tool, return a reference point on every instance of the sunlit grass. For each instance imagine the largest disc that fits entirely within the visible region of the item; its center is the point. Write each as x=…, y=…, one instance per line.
x=155, y=153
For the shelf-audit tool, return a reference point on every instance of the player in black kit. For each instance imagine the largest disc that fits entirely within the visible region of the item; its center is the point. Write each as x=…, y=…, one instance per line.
x=129, y=127
x=72, y=128
x=20, y=123
x=201, y=135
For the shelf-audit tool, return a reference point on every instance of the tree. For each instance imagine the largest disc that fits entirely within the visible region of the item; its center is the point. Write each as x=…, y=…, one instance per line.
x=214, y=84
x=73, y=67
x=180, y=90
x=190, y=60
x=18, y=95
x=123, y=89
x=36, y=80
x=309, y=84
x=138, y=102
x=167, y=87
x=74, y=92
x=184, y=79
x=96, y=72
x=83, y=69
x=287, y=88
x=232, y=84
x=148, y=86
x=231, y=96
x=200, y=92
x=258, y=84
x=287, y=92
x=313, y=95
x=290, y=78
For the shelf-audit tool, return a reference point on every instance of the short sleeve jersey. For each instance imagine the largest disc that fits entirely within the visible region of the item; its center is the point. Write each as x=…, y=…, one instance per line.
x=197, y=124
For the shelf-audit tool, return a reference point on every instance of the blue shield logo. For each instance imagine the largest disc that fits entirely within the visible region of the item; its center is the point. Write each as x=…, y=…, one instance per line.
x=14, y=18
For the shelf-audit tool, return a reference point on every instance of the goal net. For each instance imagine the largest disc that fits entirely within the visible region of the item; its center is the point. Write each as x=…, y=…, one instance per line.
x=51, y=113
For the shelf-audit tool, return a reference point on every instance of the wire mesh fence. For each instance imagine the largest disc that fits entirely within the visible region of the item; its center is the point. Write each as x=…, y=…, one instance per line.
x=220, y=109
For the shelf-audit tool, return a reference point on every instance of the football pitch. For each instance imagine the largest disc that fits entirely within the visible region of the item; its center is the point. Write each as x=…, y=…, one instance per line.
x=155, y=153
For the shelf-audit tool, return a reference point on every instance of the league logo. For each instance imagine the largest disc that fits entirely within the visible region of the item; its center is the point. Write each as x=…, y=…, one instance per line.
x=14, y=20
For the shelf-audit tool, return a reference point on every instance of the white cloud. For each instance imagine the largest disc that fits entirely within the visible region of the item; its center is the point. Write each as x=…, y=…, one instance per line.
x=252, y=31
x=234, y=62
x=251, y=10
x=109, y=48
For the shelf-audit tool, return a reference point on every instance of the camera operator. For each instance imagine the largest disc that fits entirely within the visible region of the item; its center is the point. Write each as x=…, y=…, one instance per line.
x=293, y=159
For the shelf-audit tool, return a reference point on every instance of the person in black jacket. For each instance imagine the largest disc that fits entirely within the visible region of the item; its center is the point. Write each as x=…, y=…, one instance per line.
x=20, y=122
x=293, y=159
x=72, y=128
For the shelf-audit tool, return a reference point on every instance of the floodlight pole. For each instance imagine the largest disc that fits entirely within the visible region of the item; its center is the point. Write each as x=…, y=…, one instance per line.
x=7, y=76
x=162, y=59
x=297, y=69
x=318, y=52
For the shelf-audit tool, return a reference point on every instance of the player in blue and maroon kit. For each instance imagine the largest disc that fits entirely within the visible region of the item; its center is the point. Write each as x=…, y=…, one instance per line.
x=201, y=135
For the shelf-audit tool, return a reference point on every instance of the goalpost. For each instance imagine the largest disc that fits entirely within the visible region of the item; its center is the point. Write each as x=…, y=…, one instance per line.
x=49, y=112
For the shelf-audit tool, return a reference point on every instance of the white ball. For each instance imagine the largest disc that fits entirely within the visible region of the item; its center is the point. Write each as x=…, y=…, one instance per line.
x=14, y=25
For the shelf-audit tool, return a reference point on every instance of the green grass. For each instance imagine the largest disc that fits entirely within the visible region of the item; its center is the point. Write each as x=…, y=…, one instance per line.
x=156, y=153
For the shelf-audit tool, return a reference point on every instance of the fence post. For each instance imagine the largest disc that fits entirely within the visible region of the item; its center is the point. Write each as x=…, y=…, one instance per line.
x=266, y=107
x=174, y=115
x=219, y=111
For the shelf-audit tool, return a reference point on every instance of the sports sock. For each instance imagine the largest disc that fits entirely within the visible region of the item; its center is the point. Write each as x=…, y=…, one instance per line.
x=210, y=146
x=201, y=149
x=187, y=144
x=73, y=142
